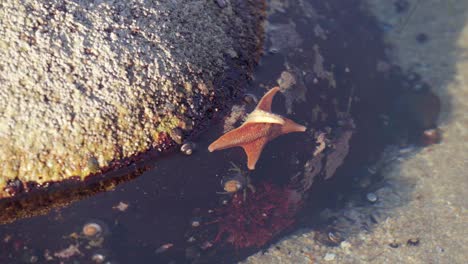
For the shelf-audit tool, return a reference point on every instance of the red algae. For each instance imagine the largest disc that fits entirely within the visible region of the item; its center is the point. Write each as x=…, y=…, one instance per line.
x=254, y=221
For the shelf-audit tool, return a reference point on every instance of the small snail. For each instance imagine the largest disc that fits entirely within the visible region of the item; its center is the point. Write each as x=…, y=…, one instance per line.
x=237, y=181
x=94, y=229
x=233, y=183
x=187, y=148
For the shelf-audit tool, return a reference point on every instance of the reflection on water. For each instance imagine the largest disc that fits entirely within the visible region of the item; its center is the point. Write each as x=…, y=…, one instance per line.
x=329, y=61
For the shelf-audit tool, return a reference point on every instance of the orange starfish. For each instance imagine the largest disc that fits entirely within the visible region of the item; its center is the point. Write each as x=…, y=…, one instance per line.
x=260, y=127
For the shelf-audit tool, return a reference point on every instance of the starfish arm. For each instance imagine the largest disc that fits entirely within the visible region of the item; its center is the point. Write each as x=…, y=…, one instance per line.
x=253, y=150
x=291, y=126
x=267, y=99
x=239, y=136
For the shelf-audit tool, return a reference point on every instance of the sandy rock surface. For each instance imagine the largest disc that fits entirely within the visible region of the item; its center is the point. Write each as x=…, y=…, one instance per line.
x=422, y=210
x=84, y=84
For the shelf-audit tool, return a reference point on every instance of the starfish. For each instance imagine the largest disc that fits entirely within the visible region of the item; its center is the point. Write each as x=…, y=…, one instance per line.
x=259, y=128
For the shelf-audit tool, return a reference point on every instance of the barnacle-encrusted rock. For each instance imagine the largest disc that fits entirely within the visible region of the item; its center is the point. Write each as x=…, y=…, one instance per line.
x=84, y=84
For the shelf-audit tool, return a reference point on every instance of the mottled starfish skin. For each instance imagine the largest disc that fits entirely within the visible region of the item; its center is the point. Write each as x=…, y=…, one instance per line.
x=253, y=135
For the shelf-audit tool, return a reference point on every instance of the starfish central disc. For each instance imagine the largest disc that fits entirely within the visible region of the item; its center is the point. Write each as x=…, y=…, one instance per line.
x=260, y=116
x=260, y=127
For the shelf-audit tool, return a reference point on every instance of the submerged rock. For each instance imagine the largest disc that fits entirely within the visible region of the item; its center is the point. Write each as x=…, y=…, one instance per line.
x=85, y=85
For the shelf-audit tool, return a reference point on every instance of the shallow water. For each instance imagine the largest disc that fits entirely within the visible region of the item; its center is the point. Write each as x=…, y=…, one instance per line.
x=156, y=227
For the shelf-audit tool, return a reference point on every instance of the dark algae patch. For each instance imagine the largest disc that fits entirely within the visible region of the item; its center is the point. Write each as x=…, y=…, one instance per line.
x=328, y=59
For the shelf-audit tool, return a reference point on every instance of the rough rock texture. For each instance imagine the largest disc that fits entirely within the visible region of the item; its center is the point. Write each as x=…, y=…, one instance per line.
x=84, y=84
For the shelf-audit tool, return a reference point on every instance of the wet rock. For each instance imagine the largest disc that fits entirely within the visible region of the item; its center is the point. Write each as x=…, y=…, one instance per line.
x=312, y=168
x=320, y=69
x=292, y=85
x=99, y=90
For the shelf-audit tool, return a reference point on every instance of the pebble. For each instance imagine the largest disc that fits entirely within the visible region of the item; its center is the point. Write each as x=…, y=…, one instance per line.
x=164, y=248
x=440, y=249
x=372, y=170
x=335, y=237
x=122, y=207
x=345, y=244
x=33, y=259
x=273, y=50
x=394, y=244
x=431, y=136
x=206, y=245
x=372, y=197
x=195, y=222
x=413, y=242
x=98, y=258
x=329, y=257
